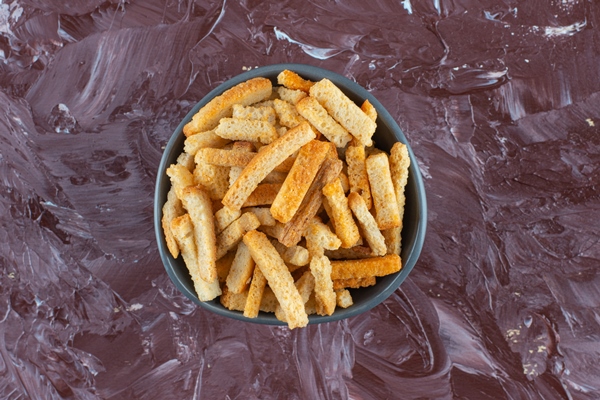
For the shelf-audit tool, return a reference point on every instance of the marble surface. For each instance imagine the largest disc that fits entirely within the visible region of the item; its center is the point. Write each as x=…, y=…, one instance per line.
x=500, y=101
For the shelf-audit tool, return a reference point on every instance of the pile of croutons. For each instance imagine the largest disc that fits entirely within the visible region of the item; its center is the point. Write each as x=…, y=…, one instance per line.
x=281, y=203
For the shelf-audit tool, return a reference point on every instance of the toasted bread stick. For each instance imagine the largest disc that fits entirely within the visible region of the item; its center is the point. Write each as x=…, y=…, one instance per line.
x=214, y=178
x=296, y=227
x=287, y=114
x=357, y=173
x=263, y=214
x=292, y=80
x=227, y=158
x=319, y=237
x=353, y=253
x=292, y=96
x=241, y=270
x=237, y=158
x=183, y=230
x=255, y=294
x=305, y=285
x=263, y=195
x=237, y=301
x=278, y=277
x=236, y=171
x=223, y=266
x=232, y=235
x=316, y=114
x=171, y=210
x=180, y=178
x=298, y=180
x=320, y=267
x=345, y=227
x=224, y=217
x=368, y=109
x=399, y=164
x=343, y=298
x=260, y=113
x=202, y=140
x=368, y=224
x=387, y=214
x=344, y=111
x=245, y=93
x=246, y=129
x=364, y=268
x=295, y=255
x=353, y=283
x=198, y=204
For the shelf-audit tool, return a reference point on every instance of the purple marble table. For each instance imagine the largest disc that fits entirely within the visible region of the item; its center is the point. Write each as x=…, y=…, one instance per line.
x=500, y=102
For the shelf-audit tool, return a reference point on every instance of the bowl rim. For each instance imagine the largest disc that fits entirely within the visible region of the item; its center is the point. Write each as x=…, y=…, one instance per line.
x=352, y=89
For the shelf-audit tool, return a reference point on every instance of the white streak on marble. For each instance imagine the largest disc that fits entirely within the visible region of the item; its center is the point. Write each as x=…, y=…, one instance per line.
x=318, y=53
x=511, y=101
x=568, y=30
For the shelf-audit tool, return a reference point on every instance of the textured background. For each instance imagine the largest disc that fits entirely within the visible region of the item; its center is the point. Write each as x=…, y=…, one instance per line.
x=500, y=102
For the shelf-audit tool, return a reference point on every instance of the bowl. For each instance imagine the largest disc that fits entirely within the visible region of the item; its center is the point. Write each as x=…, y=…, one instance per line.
x=388, y=132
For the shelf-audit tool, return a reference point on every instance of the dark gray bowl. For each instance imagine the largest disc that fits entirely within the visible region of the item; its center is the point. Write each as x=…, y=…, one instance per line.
x=388, y=132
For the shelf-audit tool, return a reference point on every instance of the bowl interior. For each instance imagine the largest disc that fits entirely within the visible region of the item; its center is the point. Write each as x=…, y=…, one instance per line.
x=388, y=132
